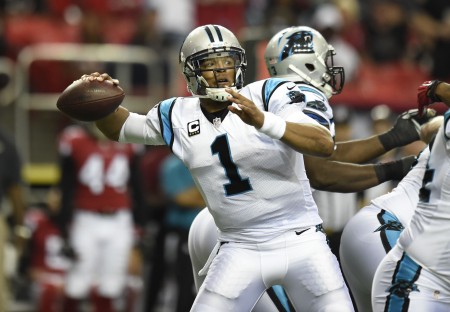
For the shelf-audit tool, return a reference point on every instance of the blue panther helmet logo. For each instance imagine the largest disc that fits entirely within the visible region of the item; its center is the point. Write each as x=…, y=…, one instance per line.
x=298, y=42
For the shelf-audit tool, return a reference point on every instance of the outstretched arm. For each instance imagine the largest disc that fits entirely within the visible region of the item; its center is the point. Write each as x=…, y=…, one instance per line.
x=405, y=130
x=334, y=176
x=306, y=138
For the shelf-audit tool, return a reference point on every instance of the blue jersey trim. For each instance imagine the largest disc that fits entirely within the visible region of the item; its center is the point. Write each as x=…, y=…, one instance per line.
x=446, y=119
x=165, y=120
x=310, y=89
x=269, y=87
x=403, y=283
x=321, y=120
x=390, y=229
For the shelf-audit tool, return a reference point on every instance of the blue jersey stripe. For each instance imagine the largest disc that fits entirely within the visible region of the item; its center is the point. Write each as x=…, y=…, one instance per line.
x=446, y=119
x=321, y=120
x=269, y=87
x=165, y=116
x=279, y=291
x=309, y=89
x=406, y=273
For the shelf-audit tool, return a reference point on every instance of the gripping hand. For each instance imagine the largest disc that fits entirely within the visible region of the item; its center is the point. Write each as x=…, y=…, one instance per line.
x=406, y=129
x=426, y=95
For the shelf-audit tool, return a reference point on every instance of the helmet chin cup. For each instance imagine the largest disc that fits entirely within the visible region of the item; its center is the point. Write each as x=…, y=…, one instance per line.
x=218, y=94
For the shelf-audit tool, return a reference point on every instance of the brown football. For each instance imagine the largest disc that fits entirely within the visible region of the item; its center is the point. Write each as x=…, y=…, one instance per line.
x=90, y=100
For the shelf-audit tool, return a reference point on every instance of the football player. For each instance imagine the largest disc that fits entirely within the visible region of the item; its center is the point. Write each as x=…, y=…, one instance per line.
x=300, y=54
x=372, y=232
x=414, y=275
x=100, y=188
x=243, y=151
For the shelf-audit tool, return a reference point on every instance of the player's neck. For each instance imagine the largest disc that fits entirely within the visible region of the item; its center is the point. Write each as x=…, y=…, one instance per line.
x=213, y=106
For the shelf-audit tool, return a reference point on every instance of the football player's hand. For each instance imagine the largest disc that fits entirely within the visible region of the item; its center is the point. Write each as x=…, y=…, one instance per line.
x=406, y=129
x=426, y=95
x=100, y=77
x=245, y=109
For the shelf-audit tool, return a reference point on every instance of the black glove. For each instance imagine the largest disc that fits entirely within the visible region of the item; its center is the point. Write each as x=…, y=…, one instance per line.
x=395, y=170
x=406, y=129
x=68, y=251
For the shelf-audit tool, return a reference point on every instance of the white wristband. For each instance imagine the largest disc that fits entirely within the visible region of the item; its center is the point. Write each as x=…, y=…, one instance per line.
x=274, y=126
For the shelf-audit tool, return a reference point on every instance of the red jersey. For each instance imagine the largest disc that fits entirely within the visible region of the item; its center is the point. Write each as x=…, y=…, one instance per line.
x=101, y=168
x=46, y=243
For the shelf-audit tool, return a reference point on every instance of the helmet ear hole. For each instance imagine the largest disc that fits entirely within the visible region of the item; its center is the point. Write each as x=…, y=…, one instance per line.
x=310, y=67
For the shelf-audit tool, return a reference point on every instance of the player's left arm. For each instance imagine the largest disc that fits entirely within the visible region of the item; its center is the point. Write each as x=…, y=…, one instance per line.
x=347, y=177
x=405, y=131
x=307, y=138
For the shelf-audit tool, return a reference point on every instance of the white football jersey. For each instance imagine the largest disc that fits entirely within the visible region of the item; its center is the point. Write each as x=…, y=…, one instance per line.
x=402, y=200
x=426, y=239
x=255, y=187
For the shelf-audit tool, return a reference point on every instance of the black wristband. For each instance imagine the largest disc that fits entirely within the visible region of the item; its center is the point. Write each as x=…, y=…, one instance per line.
x=394, y=170
x=388, y=140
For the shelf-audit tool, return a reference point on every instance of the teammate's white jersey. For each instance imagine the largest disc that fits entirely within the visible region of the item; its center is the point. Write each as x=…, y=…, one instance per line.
x=426, y=240
x=252, y=193
x=374, y=230
x=402, y=200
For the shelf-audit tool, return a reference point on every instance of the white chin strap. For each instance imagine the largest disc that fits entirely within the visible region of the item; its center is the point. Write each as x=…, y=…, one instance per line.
x=326, y=89
x=215, y=94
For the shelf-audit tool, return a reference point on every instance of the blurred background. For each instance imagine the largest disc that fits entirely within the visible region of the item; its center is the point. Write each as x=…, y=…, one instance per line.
x=387, y=47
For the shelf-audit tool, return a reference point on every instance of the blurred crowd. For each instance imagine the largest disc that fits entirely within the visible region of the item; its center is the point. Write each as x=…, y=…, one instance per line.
x=387, y=47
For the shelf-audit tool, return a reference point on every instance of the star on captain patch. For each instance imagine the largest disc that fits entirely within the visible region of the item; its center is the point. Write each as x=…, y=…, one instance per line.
x=217, y=122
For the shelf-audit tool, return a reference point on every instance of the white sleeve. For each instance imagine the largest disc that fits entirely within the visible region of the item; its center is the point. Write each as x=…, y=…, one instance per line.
x=140, y=129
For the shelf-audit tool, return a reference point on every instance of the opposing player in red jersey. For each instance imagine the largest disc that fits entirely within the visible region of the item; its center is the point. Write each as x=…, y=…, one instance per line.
x=100, y=185
x=46, y=266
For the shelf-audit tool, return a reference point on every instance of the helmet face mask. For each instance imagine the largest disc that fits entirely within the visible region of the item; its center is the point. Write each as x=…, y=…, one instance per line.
x=302, y=53
x=212, y=51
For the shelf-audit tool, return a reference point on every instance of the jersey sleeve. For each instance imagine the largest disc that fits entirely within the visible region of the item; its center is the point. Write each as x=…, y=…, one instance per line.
x=145, y=129
x=317, y=106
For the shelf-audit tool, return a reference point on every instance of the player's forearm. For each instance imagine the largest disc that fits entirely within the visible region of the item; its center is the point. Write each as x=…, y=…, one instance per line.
x=309, y=139
x=340, y=177
x=112, y=124
x=358, y=151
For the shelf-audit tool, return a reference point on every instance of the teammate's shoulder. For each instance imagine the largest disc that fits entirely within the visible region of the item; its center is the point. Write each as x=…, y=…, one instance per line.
x=265, y=83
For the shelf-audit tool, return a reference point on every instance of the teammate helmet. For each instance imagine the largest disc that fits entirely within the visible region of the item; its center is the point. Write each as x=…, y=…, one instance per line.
x=205, y=42
x=303, y=51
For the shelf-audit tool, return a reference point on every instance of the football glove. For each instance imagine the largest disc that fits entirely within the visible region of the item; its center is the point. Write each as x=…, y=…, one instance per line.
x=406, y=129
x=426, y=95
